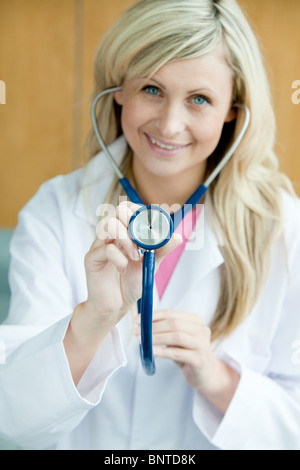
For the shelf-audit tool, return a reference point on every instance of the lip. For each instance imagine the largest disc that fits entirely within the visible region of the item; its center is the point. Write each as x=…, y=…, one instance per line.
x=177, y=148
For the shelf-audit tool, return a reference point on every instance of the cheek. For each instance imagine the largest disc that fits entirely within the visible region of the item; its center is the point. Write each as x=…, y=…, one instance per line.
x=209, y=133
x=133, y=118
x=126, y=120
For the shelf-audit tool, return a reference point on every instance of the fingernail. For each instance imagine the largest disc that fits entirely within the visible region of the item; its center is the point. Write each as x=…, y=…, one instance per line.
x=136, y=254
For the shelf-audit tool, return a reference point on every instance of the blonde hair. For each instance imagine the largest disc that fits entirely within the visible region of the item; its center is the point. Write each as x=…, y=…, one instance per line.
x=245, y=198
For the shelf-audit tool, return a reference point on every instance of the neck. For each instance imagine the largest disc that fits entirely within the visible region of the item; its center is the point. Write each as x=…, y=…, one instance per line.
x=172, y=190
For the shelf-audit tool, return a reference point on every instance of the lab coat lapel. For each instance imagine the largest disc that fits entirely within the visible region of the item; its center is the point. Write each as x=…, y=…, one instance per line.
x=95, y=182
x=196, y=262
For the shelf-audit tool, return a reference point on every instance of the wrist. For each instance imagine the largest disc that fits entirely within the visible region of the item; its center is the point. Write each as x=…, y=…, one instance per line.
x=220, y=384
x=95, y=319
x=83, y=338
x=85, y=329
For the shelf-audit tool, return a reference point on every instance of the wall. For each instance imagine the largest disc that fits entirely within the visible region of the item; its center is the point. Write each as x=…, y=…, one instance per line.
x=276, y=23
x=46, y=56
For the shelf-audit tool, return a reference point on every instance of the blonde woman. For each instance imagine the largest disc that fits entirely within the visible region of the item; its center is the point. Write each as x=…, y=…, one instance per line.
x=226, y=315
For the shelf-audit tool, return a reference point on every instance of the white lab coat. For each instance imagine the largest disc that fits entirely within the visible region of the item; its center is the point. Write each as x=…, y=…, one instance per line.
x=116, y=406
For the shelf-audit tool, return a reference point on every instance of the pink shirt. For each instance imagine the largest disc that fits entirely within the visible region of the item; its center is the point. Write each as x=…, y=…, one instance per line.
x=167, y=266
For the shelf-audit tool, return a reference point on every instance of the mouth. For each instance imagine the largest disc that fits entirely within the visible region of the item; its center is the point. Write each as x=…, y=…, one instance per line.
x=165, y=146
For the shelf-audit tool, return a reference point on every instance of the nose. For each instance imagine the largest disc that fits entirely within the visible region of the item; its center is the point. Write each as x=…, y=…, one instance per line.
x=171, y=120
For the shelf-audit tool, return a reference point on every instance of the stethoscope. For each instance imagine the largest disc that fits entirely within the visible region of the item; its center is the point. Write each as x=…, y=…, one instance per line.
x=151, y=227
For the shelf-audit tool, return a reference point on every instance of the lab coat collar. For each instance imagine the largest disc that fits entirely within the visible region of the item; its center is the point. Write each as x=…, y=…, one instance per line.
x=202, y=253
x=197, y=261
x=95, y=182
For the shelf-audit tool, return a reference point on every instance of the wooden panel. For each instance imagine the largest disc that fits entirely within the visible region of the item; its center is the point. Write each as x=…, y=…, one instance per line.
x=276, y=22
x=98, y=16
x=36, y=50
x=46, y=60
x=46, y=56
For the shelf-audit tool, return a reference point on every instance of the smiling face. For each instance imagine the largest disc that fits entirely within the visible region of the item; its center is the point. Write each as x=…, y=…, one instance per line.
x=173, y=122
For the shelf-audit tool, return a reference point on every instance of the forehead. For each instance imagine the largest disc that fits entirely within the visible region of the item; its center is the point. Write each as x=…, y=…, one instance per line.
x=209, y=70
x=209, y=63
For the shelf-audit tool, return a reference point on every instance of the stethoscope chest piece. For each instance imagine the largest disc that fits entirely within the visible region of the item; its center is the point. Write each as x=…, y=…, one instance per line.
x=150, y=228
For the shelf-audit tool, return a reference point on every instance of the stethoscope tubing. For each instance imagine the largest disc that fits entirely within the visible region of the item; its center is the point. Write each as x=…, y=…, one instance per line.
x=145, y=304
x=129, y=190
x=146, y=311
x=139, y=227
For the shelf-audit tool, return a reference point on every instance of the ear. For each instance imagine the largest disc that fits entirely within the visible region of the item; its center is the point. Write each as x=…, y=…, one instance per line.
x=118, y=95
x=232, y=113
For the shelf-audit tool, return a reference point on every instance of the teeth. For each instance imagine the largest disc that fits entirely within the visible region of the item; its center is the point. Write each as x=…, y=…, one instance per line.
x=163, y=146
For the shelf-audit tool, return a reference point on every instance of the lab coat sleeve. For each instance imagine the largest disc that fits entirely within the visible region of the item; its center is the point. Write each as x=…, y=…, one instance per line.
x=264, y=413
x=39, y=403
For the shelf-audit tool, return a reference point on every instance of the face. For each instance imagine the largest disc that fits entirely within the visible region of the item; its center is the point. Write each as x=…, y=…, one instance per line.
x=173, y=122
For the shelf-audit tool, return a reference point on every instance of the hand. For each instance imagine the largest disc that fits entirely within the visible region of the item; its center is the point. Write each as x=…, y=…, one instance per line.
x=183, y=338
x=114, y=281
x=114, y=265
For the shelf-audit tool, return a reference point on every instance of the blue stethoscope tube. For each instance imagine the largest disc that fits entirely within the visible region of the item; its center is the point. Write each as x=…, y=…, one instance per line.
x=145, y=308
x=150, y=228
x=145, y=304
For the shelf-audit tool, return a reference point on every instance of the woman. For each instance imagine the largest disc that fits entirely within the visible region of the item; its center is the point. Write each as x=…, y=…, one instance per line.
x=225, y=323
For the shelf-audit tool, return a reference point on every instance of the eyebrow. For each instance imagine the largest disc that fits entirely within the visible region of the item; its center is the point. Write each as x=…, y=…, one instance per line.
x=198, y=90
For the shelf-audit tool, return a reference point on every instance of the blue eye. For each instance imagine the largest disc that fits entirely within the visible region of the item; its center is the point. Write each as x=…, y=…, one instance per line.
x=151, y=90
x=200, y=100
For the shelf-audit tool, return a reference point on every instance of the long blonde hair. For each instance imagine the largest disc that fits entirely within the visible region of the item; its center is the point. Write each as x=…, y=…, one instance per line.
x=245, y=198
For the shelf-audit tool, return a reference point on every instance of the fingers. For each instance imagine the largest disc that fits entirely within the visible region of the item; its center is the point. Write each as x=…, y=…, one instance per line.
x=179, y=336
x=179, y=355
x=123, y=213
x=172, y=320
x=102, y=254
x=114, y=230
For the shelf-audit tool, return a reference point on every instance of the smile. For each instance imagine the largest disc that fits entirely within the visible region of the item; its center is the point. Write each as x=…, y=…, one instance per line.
x=165, y=146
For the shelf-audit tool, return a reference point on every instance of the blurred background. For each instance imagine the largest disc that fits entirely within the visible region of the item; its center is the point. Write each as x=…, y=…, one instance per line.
x=46, y=61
